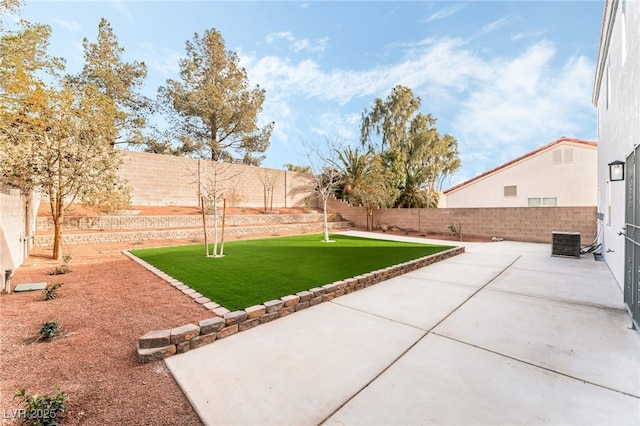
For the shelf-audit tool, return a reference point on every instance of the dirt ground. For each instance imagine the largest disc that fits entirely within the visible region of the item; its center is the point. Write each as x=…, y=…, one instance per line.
x=105, y=304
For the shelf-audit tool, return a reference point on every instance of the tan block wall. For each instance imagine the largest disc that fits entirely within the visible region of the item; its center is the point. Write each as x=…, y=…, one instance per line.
x=529, y=224
x=160, y=180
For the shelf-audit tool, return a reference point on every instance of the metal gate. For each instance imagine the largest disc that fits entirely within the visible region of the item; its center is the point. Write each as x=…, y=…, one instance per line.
x=632, y=238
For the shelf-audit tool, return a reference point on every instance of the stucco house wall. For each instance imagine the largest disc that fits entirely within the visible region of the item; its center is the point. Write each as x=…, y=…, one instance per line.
x=564, y=170
x=17, y=225
x=616, y=96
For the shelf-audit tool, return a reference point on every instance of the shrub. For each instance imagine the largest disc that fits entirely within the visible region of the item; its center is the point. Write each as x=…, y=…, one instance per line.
x=456, y=230
x=42, y=410
x=49, y=329
x=50, y=292
x=64, y=268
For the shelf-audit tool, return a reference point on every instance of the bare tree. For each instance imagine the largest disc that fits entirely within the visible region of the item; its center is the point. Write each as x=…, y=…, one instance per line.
x=327, y=176
x=213, y=184
x=268, y=179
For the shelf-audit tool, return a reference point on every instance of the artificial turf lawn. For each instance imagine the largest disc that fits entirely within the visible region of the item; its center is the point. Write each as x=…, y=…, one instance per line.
x=255, y=271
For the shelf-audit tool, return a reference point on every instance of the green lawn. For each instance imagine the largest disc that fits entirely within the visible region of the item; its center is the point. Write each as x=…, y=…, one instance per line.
x=255, y=271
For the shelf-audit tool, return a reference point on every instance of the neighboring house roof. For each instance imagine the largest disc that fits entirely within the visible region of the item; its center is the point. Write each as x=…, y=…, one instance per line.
x=521, y=158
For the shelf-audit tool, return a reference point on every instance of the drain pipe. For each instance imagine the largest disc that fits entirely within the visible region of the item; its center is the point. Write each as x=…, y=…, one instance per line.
x=8, y=273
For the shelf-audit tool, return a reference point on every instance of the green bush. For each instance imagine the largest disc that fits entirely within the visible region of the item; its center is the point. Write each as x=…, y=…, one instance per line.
x=42, y=410
x=50, y=292
x=49, y=329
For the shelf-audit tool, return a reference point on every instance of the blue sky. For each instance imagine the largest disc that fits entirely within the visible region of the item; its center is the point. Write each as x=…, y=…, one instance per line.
x=502, y=77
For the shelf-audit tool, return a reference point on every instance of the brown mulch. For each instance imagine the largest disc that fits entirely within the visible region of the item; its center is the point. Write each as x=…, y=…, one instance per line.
x=106, y=303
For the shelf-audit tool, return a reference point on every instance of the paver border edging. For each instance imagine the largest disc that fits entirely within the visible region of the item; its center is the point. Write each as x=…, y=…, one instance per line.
x=159, y=344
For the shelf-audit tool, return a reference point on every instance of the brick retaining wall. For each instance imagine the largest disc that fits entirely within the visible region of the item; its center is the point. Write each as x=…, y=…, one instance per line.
x=192, y=233
x=528, y=224
x=100, y=223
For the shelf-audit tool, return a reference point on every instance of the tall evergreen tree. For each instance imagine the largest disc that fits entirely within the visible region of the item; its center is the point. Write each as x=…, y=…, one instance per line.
x=213, y=110
x=119, y=81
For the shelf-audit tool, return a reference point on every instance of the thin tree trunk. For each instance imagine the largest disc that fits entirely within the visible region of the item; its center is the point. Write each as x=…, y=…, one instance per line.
x=224, y=214
x=204, y=224
x=326, y=222
x=58, y=217
x=215, y=225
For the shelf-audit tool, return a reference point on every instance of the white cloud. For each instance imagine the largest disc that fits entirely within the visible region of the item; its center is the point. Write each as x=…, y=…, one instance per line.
x=165, y=61
x=446, y=12
x=334, y=124
x=524, y=35
x=525, y=103
x=498, y=107
x=71, y=25
x=298, y=45
x=124, y=11
x=495, y=25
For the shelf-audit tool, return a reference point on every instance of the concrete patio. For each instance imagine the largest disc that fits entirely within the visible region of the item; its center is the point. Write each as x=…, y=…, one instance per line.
x=502, y=334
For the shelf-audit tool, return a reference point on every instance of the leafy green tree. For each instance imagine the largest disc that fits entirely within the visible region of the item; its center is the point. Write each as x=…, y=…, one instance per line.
x=213, y=110
x=8, y=7
x=119, y=81
x=366, y=181
x=419, y=157
x=55, y=138
x=295, y=168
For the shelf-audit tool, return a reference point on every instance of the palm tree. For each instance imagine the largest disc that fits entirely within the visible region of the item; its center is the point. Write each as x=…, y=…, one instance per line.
x=355, y=170
x=414, y=193
x=366, y=182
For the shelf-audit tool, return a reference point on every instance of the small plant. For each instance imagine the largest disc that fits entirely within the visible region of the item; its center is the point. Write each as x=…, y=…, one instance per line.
x=64, y=268
x=42, y=410
x=456, y=230
x=50, y=291
x=49, y=329
x=308, y=202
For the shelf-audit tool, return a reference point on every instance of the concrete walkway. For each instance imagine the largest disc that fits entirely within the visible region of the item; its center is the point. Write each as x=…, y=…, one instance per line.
x=502, y=334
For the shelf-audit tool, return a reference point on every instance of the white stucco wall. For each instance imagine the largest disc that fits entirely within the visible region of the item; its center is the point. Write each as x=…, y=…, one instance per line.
x=617, y=98
x=17, y=220
x=572, y=183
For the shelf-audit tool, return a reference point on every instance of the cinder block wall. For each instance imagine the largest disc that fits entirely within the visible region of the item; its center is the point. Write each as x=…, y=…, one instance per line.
x=160, y=180
x=529, y=224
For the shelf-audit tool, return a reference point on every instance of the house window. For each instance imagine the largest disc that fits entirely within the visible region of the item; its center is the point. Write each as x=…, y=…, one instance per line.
x=511, y=191
x=542, y=202
x=560, y=156
x=568, y=155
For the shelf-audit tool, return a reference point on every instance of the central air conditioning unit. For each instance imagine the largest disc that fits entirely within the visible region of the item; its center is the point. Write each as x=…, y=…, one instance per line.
x=565, y=244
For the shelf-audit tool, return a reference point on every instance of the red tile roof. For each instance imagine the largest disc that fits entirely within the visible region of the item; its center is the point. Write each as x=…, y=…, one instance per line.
x=522, y=157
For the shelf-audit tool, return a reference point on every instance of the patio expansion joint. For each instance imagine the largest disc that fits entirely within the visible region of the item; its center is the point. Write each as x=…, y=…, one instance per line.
x=418, y=340
x=337, y=303
x=536, y=365
x=621, y=308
